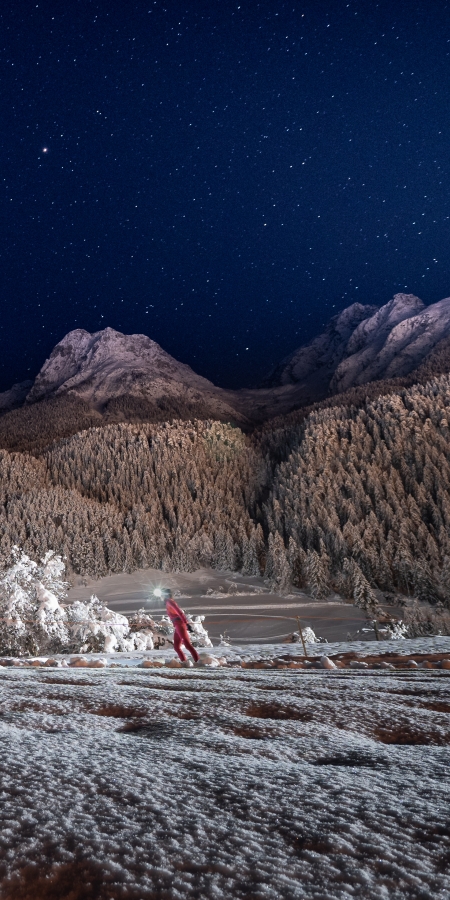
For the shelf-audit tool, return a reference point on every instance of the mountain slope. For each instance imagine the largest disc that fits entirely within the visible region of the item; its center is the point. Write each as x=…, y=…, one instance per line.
x=364, y=344
x=15, y=396
x=315, y=363
x=130, y=377
x=111, y=499
x=349, y=500
x=360, y=500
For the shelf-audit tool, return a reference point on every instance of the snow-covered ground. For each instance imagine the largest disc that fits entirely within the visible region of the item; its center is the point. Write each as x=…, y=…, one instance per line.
x=226, y=782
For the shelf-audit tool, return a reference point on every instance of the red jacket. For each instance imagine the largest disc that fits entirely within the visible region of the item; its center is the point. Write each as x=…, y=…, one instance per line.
x=176, y=615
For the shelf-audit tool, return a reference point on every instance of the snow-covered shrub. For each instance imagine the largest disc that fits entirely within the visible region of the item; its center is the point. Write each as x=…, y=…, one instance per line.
x=199, y=635
x=163, y=633
x=394, y=631
x=309, y=637
x=423, y=620
x=93, y=628
x=32, y=619
x=142, y=630
x=144, y=627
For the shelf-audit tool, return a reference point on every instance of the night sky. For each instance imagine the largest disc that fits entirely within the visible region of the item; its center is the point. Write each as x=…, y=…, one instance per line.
x=220, y=176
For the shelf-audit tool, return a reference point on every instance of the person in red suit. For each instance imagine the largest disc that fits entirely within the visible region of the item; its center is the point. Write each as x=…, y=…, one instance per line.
x=181, y=627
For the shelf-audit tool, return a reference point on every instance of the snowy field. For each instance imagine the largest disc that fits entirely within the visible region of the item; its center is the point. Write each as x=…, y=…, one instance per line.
x=243, y=606
x=226, y=782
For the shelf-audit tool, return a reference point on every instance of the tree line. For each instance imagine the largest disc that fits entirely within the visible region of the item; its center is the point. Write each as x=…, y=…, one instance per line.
x=174, y=496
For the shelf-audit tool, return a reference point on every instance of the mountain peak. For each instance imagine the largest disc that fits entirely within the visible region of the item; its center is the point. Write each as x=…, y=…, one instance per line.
x=114, y=373
x=106, y=364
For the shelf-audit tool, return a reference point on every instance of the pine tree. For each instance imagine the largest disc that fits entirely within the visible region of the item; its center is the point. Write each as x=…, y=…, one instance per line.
x=32, y=619
x=250, y=562
x=297, y=564
x=316, y=575
x=277, y=571
x=424, y=588
x=404, y=567
x=444, y=582
x=363, y=594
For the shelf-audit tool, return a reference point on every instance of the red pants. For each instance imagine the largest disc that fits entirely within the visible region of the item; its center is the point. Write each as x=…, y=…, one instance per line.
x=181, y=636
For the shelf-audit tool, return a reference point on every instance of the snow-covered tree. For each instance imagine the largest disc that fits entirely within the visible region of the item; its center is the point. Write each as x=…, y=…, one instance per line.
x=363, y=595
x=316, y=574
x=277, y=571
x=32, y=619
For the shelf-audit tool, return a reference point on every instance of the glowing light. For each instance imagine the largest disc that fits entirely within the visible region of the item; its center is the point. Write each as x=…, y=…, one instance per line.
x=157, y=592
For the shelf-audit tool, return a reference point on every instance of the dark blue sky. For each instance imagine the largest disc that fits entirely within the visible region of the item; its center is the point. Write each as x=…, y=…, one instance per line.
x=220, y=176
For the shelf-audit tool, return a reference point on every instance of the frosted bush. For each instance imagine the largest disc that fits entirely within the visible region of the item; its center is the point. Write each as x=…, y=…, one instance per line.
x=395, y=631
x=32, y=618
x=94, y=628
x=162, y=631
x=309, y=637
x=199, y=635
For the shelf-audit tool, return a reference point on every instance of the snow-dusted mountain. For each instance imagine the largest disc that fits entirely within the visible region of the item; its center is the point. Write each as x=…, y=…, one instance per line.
x=107, y=364
x=314, y=364
x=363, y=344
x=393, y=342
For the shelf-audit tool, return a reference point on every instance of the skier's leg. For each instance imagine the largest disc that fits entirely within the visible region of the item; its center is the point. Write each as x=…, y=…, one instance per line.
x=178, y=640
x=188, y=645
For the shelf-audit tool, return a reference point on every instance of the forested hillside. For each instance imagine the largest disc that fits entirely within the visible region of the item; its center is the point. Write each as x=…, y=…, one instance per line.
x=32, y=428
x=171, y=496
x=353, y=498
x=361, y=497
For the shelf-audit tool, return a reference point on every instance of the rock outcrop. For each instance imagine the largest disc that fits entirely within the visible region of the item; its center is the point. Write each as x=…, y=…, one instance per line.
x=320, y=358
x=391, y=352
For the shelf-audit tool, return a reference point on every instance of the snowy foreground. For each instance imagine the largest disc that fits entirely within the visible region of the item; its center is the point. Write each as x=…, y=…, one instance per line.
x=224, y=782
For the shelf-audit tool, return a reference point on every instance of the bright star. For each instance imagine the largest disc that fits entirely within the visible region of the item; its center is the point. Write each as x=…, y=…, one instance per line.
x=45, y=149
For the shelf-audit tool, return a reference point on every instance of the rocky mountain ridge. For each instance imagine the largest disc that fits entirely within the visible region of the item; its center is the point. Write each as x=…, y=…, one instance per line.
x=364, y=344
